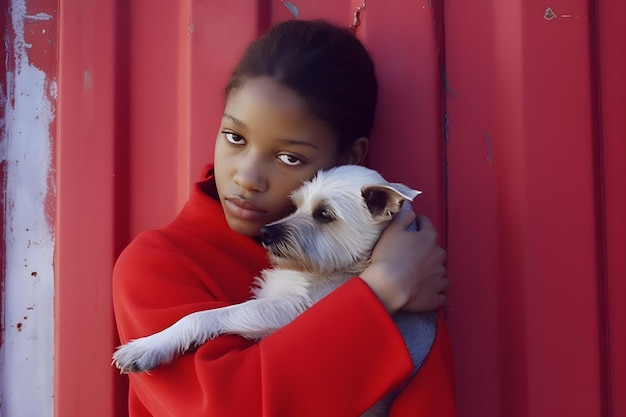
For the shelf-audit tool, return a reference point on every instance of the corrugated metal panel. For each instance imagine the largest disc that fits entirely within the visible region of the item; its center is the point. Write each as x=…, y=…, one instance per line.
x=518, y=150
x=529, y=210
x=86, y=219
x=610, y=57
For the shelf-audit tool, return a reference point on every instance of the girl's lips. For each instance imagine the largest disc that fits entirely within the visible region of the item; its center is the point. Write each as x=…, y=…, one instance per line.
x=244, y=209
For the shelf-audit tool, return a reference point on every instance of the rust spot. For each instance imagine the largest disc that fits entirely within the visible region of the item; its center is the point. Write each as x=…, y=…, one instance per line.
x=19, y=327
x=33, y=274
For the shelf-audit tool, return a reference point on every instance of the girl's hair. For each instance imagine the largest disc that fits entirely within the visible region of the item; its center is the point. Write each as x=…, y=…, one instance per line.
x=323, y=63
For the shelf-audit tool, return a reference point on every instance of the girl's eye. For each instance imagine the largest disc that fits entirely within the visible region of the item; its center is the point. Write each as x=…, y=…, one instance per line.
x=234, y=138
x=289, y=160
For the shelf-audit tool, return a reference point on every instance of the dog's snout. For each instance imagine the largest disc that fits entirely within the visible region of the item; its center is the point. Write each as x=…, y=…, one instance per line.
x=269, y=234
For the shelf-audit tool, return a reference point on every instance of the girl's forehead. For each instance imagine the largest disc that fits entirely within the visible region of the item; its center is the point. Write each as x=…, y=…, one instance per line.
x=265, y=107
x=264, y=91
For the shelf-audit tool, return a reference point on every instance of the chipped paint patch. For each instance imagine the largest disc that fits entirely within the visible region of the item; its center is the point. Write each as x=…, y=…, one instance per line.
x=549, y=14
x=27, y=355
x=292, y=8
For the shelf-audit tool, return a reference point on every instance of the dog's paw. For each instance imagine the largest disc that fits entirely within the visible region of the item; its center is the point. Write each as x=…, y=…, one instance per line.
x=140, y=355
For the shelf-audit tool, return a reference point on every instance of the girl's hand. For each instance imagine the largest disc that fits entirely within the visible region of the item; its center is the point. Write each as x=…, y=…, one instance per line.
x=407, y=270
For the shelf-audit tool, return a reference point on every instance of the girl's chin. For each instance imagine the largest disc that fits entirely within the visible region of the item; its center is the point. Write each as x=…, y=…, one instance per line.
x=245, y=228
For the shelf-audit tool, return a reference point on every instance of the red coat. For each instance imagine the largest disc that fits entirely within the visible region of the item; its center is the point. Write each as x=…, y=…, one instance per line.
x=336, y=359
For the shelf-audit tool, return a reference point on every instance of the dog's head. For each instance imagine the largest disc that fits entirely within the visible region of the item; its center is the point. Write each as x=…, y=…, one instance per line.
x=339, y=216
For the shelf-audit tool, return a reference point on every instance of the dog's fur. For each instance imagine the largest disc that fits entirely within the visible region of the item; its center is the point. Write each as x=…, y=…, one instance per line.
x=339, y=216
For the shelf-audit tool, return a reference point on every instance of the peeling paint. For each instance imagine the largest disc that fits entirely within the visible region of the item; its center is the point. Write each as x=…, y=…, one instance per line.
x=38, y=16
x=356, y=20
x=549, y=14
x=292, y=8
x=27, y=354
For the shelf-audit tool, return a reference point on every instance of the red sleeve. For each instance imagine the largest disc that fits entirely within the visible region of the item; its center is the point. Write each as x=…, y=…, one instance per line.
x=336, y=359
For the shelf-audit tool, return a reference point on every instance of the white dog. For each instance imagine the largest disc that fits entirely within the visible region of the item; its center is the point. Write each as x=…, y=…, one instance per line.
x=339, y=216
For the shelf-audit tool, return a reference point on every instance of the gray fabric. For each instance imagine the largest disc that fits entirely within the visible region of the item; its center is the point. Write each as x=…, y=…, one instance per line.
x=418, y=331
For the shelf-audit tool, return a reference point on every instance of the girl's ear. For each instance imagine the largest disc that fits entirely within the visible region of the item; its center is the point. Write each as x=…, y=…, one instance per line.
x=357, y=153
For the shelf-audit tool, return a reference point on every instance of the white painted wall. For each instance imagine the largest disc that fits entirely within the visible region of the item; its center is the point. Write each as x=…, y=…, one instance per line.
x=27, y=354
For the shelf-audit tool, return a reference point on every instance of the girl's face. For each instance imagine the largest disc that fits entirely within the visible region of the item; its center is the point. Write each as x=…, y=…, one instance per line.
x=267, y=145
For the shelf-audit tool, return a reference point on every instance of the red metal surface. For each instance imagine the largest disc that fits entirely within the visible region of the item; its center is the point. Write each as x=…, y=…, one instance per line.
x=528, y=241
x=404, y=38
x=528, y=188
x=85, y=222
x=611, y=67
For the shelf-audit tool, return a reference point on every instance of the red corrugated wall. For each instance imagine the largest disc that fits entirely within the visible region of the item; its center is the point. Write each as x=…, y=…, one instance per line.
x=534, y=192
x=509, y=115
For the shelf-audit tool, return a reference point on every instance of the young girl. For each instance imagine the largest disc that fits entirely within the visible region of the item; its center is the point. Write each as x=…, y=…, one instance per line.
x=301, y=99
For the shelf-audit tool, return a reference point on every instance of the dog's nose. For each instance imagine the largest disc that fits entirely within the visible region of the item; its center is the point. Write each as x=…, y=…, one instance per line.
x=269, y=234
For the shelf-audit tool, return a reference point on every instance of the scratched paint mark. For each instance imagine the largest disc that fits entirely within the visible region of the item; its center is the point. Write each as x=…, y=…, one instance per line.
x=446, y=84
x=38, y=16
x=489, y=152
x=549, y=14
x=292, y=8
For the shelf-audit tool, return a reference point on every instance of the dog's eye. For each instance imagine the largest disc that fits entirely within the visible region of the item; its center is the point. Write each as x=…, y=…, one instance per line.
x=323, y=215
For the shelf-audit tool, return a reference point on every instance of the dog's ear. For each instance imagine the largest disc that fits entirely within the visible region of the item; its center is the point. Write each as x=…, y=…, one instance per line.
x=385, y=200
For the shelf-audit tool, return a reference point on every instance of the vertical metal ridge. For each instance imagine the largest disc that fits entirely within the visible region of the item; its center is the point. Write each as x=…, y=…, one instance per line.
x=604, y=367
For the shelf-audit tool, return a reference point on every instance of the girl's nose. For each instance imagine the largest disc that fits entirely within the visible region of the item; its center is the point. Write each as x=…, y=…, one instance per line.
x=249, y=176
